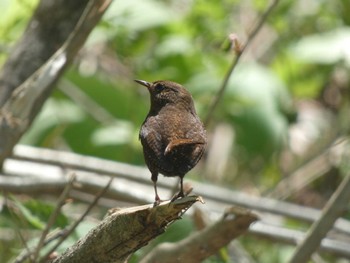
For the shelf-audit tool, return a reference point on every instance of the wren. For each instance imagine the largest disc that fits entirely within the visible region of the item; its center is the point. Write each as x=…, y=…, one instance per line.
x=172, y=136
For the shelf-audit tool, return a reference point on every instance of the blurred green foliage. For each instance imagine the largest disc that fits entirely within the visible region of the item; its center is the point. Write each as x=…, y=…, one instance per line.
x=30, y=214
x=97, y=109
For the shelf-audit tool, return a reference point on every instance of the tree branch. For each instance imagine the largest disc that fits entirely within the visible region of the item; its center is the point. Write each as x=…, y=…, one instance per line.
x=25, y=81
x=71, y=228
x=109, y=242
x=53, y=216
x=239, y=51
x=27, y=172
x=206, y=242
x=91, y=172
x=334, y=208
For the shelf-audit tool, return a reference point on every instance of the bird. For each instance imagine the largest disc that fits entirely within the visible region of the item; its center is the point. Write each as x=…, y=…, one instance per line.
x=173, y=137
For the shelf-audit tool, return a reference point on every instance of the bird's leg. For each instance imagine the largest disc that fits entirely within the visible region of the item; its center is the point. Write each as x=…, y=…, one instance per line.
x=154, y=180
x=178, y=142
x=181, y=193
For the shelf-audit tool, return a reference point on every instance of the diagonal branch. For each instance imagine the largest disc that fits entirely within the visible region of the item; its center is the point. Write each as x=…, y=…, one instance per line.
x=206, y=242
x=76, y=223
x=109, y=242
x=23, y=91
x=334, y=208
x=239, y=52
x=54, y=215
x=32, y=254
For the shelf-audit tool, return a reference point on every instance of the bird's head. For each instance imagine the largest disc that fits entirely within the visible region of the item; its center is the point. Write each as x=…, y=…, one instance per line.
x=165, y=92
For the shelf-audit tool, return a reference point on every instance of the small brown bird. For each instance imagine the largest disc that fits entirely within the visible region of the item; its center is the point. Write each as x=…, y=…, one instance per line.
x=172, y=135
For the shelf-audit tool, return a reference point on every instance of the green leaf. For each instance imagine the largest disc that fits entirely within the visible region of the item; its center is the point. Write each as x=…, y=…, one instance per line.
x=43, y=210
x=120, y=132
x=29, y=216
x=256, y=103
x=326, y=48
x=139, y=15
x=35, y=214
x=55, y=113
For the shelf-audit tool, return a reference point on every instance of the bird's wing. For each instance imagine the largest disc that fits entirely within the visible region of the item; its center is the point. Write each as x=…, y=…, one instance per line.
x=150, y=138
x=181, y=142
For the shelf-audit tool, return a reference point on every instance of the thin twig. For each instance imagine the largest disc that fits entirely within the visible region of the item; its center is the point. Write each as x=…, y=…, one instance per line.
x=76, y=223
x=274, y=233
x=54, y=215
x=89, y=105
x=236, y=59
x=18, y=232
x=33, y=254
x=333, y=209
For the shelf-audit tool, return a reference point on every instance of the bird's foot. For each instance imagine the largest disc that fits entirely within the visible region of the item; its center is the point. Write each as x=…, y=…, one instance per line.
x=157, y=201
x=177, y=196
x=186, y=190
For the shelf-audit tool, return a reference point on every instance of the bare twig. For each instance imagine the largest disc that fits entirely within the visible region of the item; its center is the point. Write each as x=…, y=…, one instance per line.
x=23, y=240
x=303, y=176
x=76, y=223
x=54, y=215
x=333, y=209
x=289, y=236
x=96, y=111
x=311, y=169
x=32, y=254
x=236, y=59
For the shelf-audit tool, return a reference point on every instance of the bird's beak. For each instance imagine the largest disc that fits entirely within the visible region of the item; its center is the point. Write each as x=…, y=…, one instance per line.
x=143, y=83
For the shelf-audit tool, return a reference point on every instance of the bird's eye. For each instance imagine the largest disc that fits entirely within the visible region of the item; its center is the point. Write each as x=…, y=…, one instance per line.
x=159, y=87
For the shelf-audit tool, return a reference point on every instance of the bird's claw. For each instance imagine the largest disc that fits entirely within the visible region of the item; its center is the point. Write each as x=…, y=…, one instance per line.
x=177, y=196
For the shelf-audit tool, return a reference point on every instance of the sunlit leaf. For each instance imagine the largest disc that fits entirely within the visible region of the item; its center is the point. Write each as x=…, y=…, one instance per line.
x=29, y=216
x=116, y=133
x=325, y=48
x=139, y=15
x=55, y=113
x=255, y=103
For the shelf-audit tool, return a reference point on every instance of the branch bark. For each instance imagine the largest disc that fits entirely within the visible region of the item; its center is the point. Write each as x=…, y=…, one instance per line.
x=124, y=231
x=206, y=242
x=334, y=208
x=54, y=35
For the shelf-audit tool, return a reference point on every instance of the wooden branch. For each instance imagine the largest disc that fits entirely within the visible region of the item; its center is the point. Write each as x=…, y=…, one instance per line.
x=310, y=171
x=48, y=29
x=32, y=253
x=334, y=208
x=90, y=171
x=28, y=173
x=206, y=242
x=53, y=217
x=73, y=227
x=39, y=59
x=124, y=231
x=278, y=234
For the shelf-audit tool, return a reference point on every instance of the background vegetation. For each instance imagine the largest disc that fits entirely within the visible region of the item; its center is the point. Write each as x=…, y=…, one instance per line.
x=286, y=102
